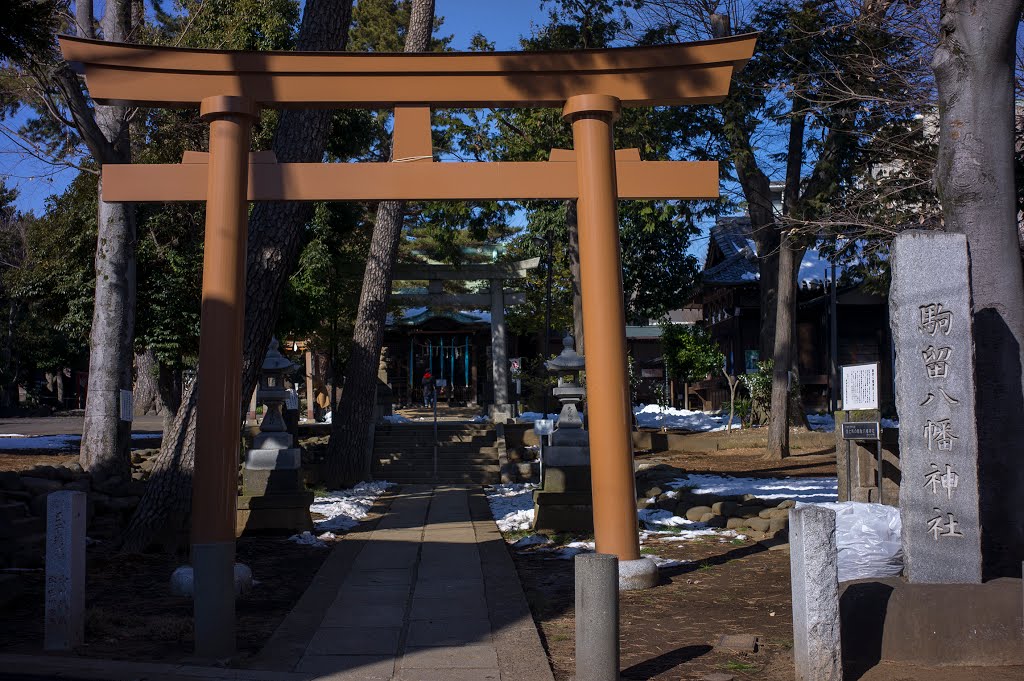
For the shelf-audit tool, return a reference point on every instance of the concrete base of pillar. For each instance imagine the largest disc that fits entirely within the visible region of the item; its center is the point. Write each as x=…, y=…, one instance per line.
x=214, y=599
x=635, y=575
x=500, y=413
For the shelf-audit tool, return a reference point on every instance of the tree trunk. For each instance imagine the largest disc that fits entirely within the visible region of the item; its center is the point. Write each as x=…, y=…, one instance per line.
x=347, y=459
x=275, y=232
x=106, y=439
x=146, y=394
x=974, y=177
x=572, y=227
x=778, y=422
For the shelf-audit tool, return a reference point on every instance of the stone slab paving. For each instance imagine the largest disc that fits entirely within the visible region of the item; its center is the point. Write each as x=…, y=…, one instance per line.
x=420, y=601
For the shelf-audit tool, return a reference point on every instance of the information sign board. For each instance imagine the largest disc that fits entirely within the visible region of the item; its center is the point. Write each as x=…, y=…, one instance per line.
x=860, y=386
x=862, y=430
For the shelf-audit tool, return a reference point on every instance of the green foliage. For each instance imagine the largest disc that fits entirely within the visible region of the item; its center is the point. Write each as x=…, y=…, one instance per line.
x=690, y=352
x=49, y=285
x=537, y=382
x=759, y=387
x=26, y=26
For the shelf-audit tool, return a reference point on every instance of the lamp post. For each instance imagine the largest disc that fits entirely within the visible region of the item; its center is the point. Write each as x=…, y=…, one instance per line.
x=546, y=243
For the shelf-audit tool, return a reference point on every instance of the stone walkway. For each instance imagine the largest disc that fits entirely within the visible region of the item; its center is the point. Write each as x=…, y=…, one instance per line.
x=431, y=594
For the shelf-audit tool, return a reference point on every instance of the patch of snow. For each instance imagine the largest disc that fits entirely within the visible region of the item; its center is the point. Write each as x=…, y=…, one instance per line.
x=327, y=417
x=12, y=442
x=343, y=509
x=307, y=538
x=826, y=423
x=531, y=416
x=396, y=418
x=810, y=490
x=531, y=540
x=656, y=416
x=512, y=505
x=665, y=562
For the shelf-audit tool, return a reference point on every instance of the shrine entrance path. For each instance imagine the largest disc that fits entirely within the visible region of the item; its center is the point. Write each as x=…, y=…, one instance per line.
x=444, y=413
x=430, y=593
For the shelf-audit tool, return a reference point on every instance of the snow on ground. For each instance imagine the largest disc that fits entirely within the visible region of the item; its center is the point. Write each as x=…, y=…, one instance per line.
x=531, y=416
x=13, y=441
x=343, y=509
x=512, y=505
x=826, y=423
x=809, y=490
x=656, y=416
x=512, y=508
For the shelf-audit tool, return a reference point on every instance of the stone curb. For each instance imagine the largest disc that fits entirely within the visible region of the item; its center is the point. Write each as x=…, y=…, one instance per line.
x=521, y=656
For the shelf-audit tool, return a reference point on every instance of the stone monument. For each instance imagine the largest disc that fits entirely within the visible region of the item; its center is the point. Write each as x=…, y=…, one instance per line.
x=274, y=496
x=814, y=579
x=565, y=503
x=64, y=627
x=930, y=313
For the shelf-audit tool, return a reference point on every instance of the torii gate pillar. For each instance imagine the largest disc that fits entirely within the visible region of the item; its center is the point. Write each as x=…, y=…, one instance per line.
x=222, y=326
x=609, y=410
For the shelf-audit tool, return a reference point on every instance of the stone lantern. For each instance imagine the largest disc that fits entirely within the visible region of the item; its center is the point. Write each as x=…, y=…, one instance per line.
x=564, y=504
x=567, y=366
x=272, y=394
x=274, y=495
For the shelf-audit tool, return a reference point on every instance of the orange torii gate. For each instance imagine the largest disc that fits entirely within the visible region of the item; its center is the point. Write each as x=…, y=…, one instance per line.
x=230, y=87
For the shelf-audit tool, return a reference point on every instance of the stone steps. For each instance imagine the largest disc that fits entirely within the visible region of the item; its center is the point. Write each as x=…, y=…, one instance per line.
x=466, y=454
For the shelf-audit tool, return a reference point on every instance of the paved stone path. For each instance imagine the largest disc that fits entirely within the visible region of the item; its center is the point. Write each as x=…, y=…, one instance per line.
x=431, y=594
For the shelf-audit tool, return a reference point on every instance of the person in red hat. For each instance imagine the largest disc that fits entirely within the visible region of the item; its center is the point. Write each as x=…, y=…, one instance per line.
x=429, y=393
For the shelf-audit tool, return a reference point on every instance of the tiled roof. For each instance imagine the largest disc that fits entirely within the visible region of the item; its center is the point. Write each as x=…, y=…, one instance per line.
x=732, y=237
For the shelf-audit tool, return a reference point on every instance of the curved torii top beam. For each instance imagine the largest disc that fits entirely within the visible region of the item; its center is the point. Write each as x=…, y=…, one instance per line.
x=142, y=75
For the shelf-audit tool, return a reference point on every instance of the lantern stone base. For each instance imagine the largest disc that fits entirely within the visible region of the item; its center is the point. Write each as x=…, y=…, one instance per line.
x=563, y=511
x=281, y=512
x=565, y=503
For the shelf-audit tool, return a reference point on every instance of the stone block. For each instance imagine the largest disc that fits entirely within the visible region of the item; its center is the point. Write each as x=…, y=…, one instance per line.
x=262, y=482
x=931, y=318
x=716, y=521
x=697, y=512
x=566, y=456
x=726, y=508
x=759, y=524
x=65, y=571
x=566, y=478
x=749, y=511
x=271, y=459
x=279, y=440
x=814, y=578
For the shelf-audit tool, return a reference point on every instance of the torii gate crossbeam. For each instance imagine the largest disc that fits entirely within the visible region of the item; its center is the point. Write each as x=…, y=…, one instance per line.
x=591, y=86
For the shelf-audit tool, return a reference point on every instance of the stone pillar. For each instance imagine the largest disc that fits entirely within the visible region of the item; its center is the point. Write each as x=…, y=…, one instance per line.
x=930, y=313
x=604, y=322
x=310, y=392
x=501, y=409
x=215, y=481
x=814, y=579
x=597, y=617
x=65, y=571
x=253, y=403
